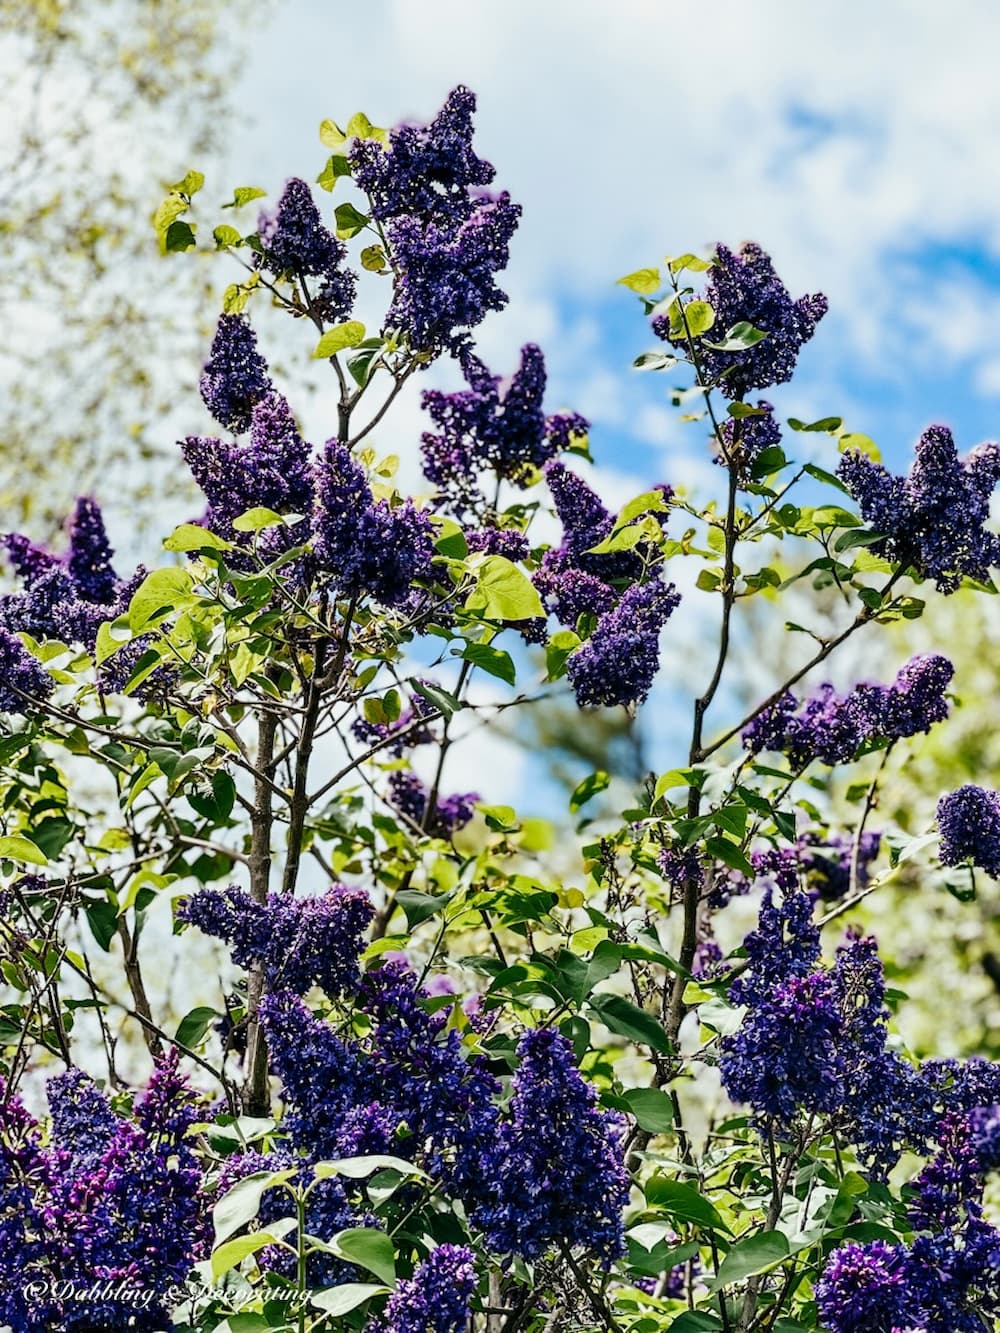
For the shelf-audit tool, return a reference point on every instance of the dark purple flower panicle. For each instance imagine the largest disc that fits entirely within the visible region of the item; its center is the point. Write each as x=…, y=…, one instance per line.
x=436, y=1298
x=409, y=796
x=832, y=728
x=742, y=288
x=272, y=471
x=969, y=822
x=235, y=376
x=985, y=1125
x=933, y=519
x=867, y=1288
x=510, y=543
x=89, y=559
x=786, y=1057
x=366, y=545
x=447, y=237
x=23, y=680
x=296, y=243
x=618, y=663
x=29, y=561
x=83, y=1123
x=487, y=426
x=302, y=942
x=408, y=1087
x=562, y=1177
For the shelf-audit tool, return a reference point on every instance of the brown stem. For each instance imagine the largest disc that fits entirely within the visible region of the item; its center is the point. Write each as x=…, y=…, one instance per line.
x=137, y=988
x=256, y=1097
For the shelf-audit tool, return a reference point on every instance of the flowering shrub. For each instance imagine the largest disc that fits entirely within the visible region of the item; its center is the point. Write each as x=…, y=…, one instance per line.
x=450, y=1082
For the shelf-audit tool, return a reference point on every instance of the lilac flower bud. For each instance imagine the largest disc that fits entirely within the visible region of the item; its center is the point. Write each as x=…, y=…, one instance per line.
x=969, y=821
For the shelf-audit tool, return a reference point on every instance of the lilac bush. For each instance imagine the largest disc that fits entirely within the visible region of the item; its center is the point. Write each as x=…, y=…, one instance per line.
x=454, y=1071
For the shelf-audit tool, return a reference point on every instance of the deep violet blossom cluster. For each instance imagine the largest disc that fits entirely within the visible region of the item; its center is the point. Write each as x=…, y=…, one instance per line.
x=234, y=378
x=301, y=942
x=295, y=243
x=948, y=1279
x=366, y=545
x=830, y=860
x=494, y=427
x=561, y=1171
x=435, y=1299
x=447, y=237
x=933, y=518
x=108, y=1200
x=743, y=287
x=410, y=797
x=969, y=823
x=619, y=662
x=832, y=727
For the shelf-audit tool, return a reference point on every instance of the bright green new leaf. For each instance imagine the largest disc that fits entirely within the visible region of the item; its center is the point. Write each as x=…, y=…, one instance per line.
x=644, y=281
x=339, y=338
x=160, y=592
x=755, y=1254
x=256, y=520
x=344, y=1298
x=239, y=1205
x=193, y=537
x=504, y=592
x=368, y=1248
x=700, y=317
x=16, y=847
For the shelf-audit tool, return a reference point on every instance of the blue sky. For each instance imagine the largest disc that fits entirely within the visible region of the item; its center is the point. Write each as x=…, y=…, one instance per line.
x=856, y=142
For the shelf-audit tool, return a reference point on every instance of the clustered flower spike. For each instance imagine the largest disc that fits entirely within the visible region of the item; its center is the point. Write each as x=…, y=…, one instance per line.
x=435, y=1299
x=446, y=236
x=409, y=796
x=366, y=545
x=273, y=470
x=561, y=1175
x=301, y=942
x=832, y=728
x=742, y=288
x=829, y=861
x=618, y=663
x=488, y=427
x=932, y=520
x=105, y=1204
x=235, y=376
x=23, y=679
x=969, y=822
x=297, y=244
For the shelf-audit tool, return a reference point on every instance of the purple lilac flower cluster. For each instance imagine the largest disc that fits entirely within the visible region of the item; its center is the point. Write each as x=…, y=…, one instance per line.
x=447, y=237
x=832, y=727
x=108, y=1201
x=742, y=288
x=561, y=1172
x=301, y=942
x=410, y=797
x=947, y=1280
x=435, y=1299
x=366, y=545
x=619, y=662
x=932, y=520
x=295, y=243
x=235, y=376
x=489, y=426
x=827, y=861
x=969, y=822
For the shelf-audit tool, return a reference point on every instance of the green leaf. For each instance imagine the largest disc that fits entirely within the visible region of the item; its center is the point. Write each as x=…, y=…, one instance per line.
x=504, y=592
x=349, y=221
x=683, y=1203
x=331, y=135
x=626, y=1019
x=336, y=167
x=256, y=520
x=226, y=236
x=194, y=1025
x=445, y=703
x=604, y=962
x=239, y=1205
x=179, y=237
x=586, y=790
x=357, y=1168
x=747, y=1258
x=828, y=424
x=418, y=906
x=16, y=847
x=373, y=259
x=699, y=316
x=654, y=361
x=233, y=1252
x=235, y=299
x=369, y=1249
x=339, y=338
x=244, y=194
x=341, y=1300
x=652, y=1108
x=862, y=444
x=193, y=537
x=160, y=592
x=360, y=127
x=102, y=918
x=106, y=645
x=739, y=338
x=644, y=281
x=730, y=855
x=694, y=263
x=190, y=185
x=494, y=661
